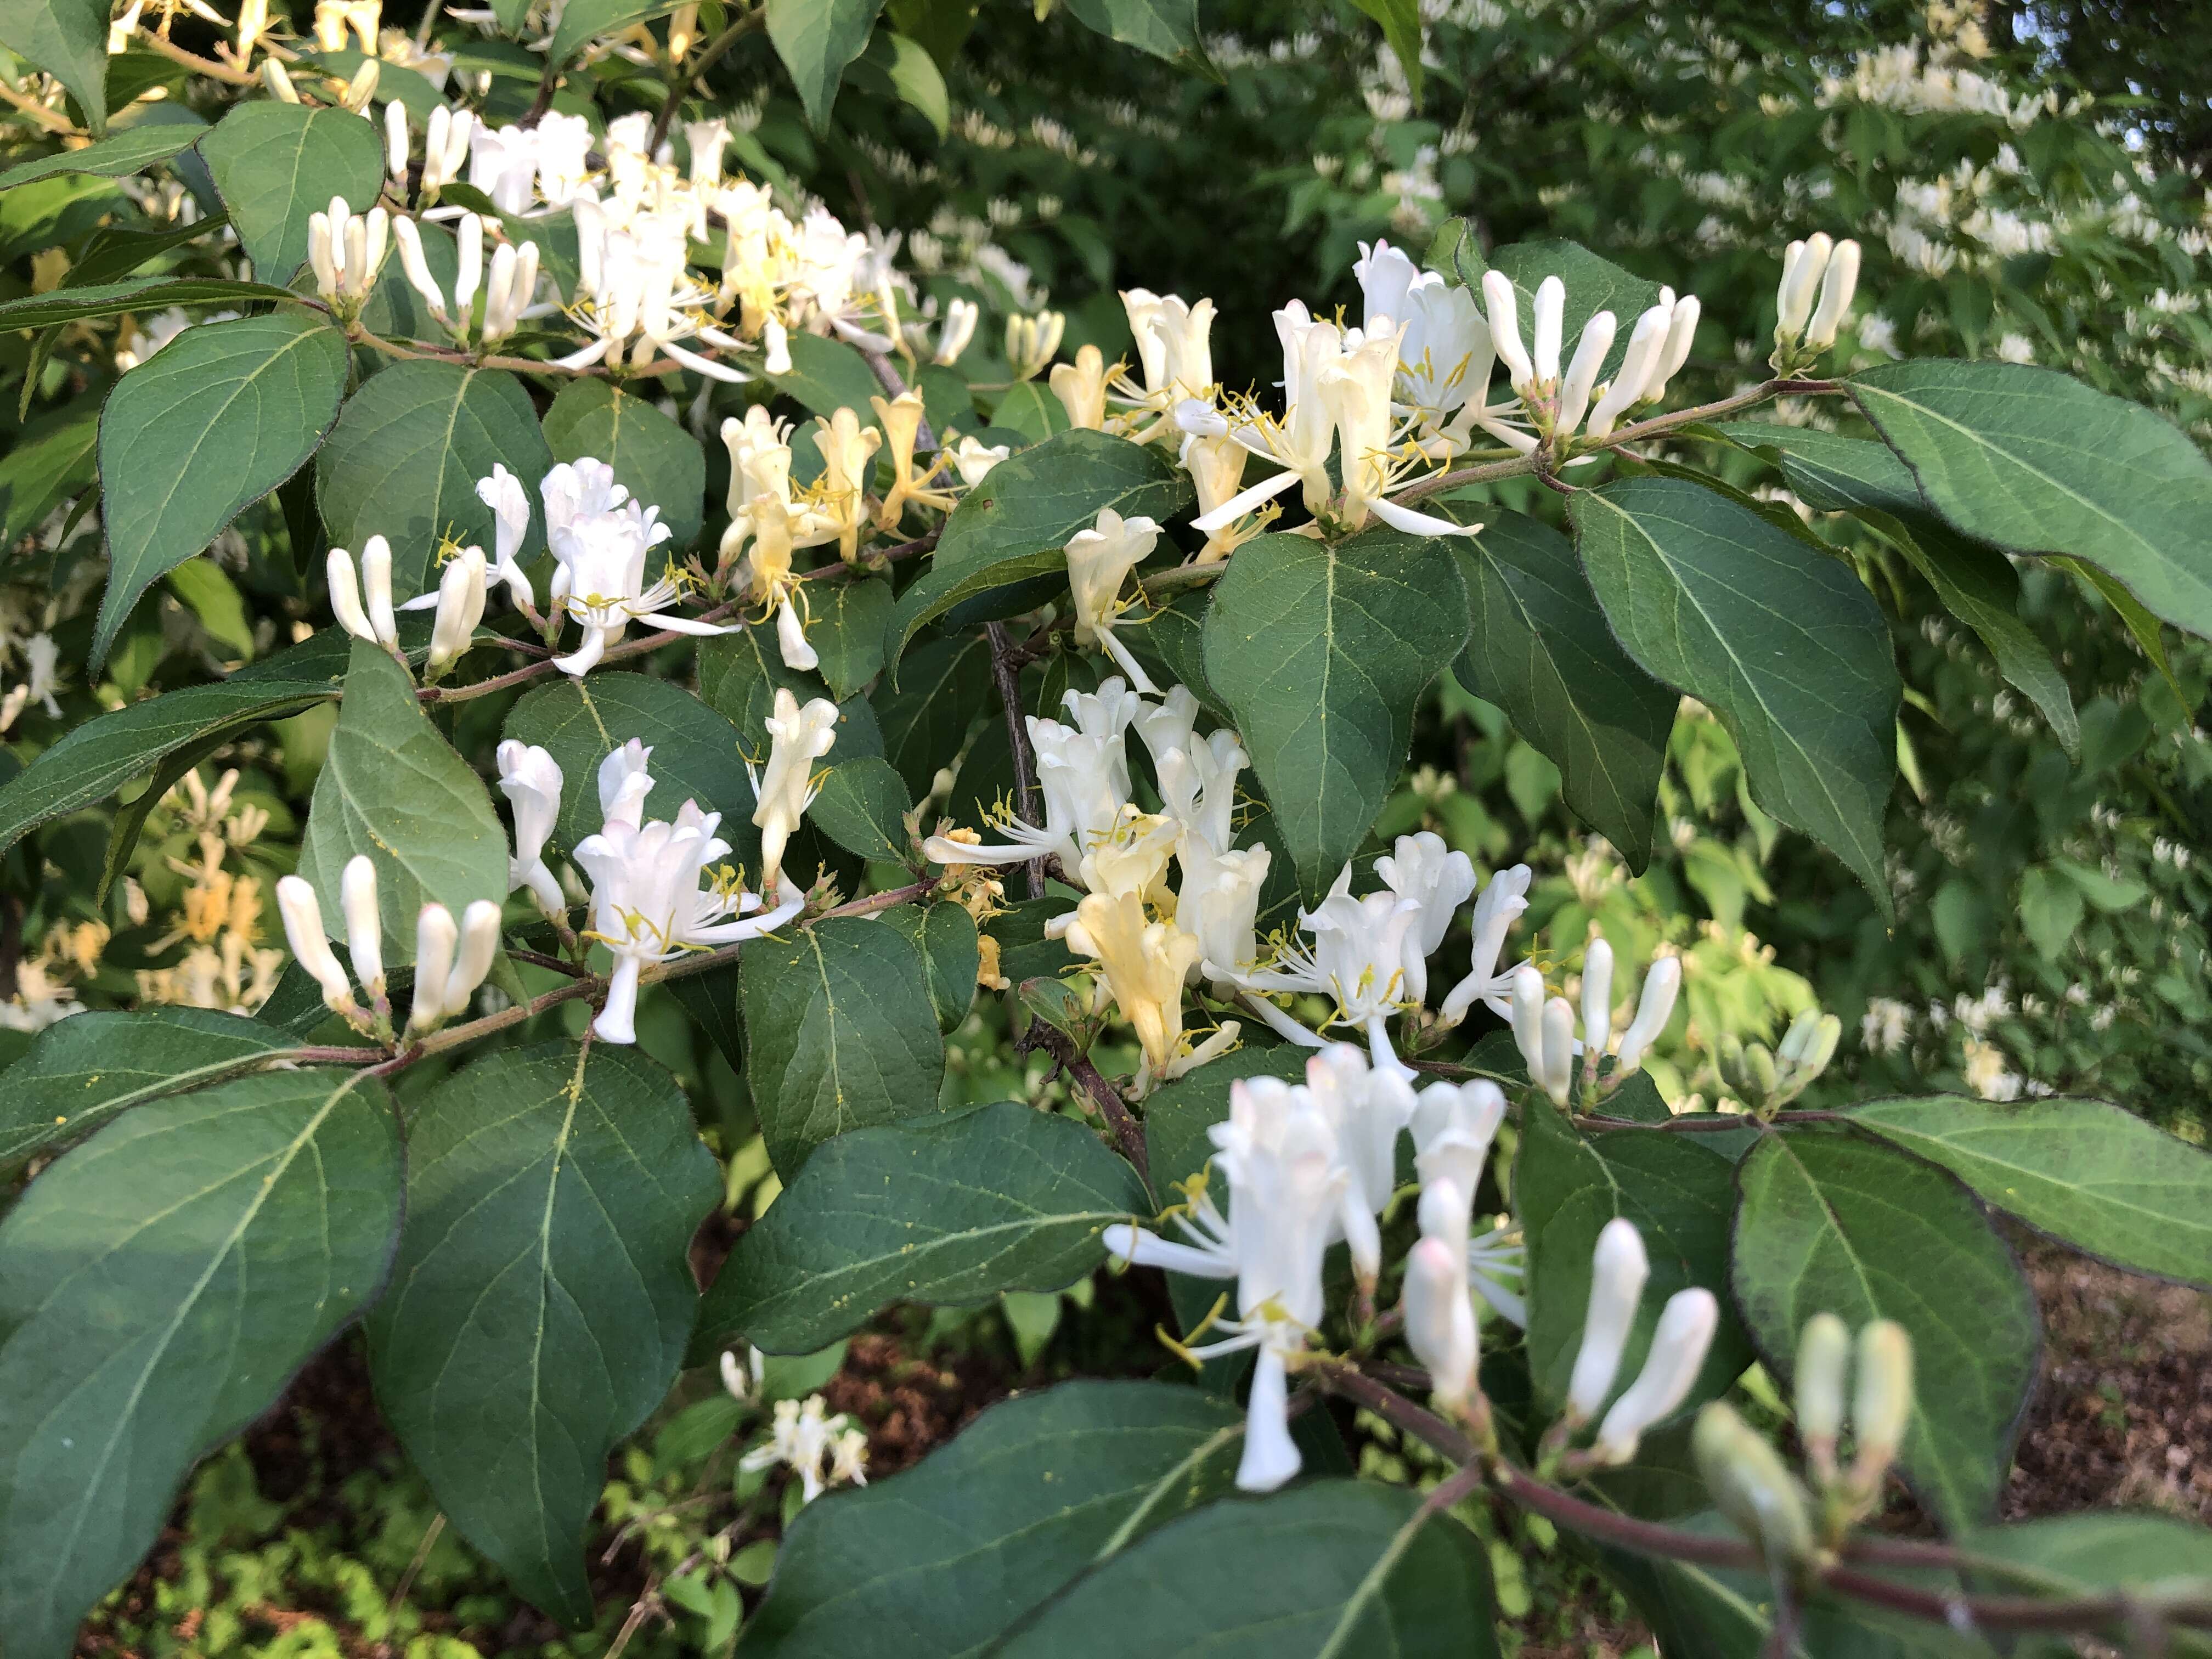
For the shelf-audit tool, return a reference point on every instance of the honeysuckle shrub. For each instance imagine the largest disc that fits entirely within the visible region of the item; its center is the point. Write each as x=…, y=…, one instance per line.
x=735, y=679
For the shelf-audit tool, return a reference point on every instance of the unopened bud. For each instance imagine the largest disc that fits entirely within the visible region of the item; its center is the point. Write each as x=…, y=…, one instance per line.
x=1752, y=1486
x=479, y=944
x=1527, y=1015
x=362, y=87
x=435, y=939
x=1824, y=1353
x=1618, y=1270
x=364, y=924
x=274, y=77
x=1757, y=1072
x=396, y=141
x=303, y=931
x=1439, y=1318
x=376, y=588
x=1653, y=1009
x=1679, y=1344
x=460, y=606
x=1503, y=307
x=1802, y=266
x=1556, y=1072
x=1582, y=374
x=1597, y=998
x=1882, y=1404
x=1547, y=326
x=1836, y=290
x=345, y=595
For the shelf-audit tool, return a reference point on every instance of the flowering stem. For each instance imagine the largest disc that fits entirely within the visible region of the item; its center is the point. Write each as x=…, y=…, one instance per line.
x=1008, y=678
x=39, y=112
x=704, y=59
x=192, y=61
x=1127, y=1130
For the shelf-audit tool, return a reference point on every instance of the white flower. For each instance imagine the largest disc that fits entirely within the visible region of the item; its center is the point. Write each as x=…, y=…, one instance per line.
x=531, y=779
x=346, y=250
x=364, y=923
x=648, y=905
x=1098, y=561
x=1653, y=1008
x=803, y=1438
x=1502, y=902
x=1421, y=868
x=503, y=493
x=960, y=319
x=1357, y=957
x=786, y=787
x=303, y=930
x=599, y=540
x=743, y=1380
x=973, y=461
x=704, y=143
x=1453, y=1125
x=1445, y=353
x=1083, y=772
x=1218, y=903
x=1081, y=388
x=1033, y=342
x=1144, y=963
x=1440, y=1325
x=1618, y=1270
x=1173, y=346
x=624, y=781
x=41, y=662
x=461, y=601
x=1279, y=1154
x=1679, y=1343
x=1370, y=1109
x=503, y=165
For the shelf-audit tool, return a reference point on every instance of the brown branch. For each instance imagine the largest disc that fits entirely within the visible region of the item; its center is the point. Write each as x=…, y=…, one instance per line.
x=37, y=111
x=1008, y=678
x=1127, y=1129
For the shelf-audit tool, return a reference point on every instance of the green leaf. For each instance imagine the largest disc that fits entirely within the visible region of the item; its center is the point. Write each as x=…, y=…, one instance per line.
x=2086, y=1171
x=1031, y=1493
x=1327, y=1568
x=1681, y=1196
x=2140, y=622
x=2092, y=1555
x=1541, y=650
x=739, y=675
x=1402, y=28
x=1015, y=525
x=95, y=759
x=205, y=589
x=917, y=80
x=83, y=1071
x=1784, y=647
x=158, y=1287
x=1832, y=1220
x=1829, y=471
x=696, y=752
x=2036, y=462
x=277, y=163
x=828, y=375
x=816, y=39
x=846, y=631
x=1002, y=1197
x=1321, y=651
x=211, y=423
x=925, y=718
x=590, y=19
x=842, y=1035
x=655, y=458
x=46, y=463
x=2051, y=908
x=542, y=1298
x=1165, y=28
x=862, y=807
x=68, y=39
x=132, y=294
x=116, y=250
x=1031, y=411
x=404, y=458
x=116, y=156
x=392, y=788
x=946, y=935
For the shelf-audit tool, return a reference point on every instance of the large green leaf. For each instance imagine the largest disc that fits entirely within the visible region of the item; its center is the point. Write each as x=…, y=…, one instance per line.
x=542, y=1298
x=1680, y=1193
x=392, y=788
x=1831, y=473
x=587, y=21
x=2036, y=462
x=277, y=163
x=214, y=421
x=1321, y=651
x=1029, y=1495
x=1784, y=646
x=83, y=1071
x=1539, y=648
x=655, y=458
x=1834, y=1221
x=862, y=806
x=158, y=1287
x=1015, y=525
x=842, y=1035
x=696, y=754
x=68, y=39
x=951, y=954
x=1003, y=1198
x=816, y=39
x=406, y=455
x=846, y=627
x=2091, y=1555
x=2087, y=1171
x=92, y=762
x=116, y=156
x=1330, y=1568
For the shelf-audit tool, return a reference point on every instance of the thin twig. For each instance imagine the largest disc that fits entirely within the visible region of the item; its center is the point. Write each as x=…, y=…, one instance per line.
x=49, y=120
x=192, y=61
x=707, y=57
x=1127, y=1130
x=1009, y=681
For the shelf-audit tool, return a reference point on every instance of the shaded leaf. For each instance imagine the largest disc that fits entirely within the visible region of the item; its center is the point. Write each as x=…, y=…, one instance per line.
x=68, y=39
x=816, y=39
x=277, y=163
x=862, y=806
x=846, y=631
x=946, y=935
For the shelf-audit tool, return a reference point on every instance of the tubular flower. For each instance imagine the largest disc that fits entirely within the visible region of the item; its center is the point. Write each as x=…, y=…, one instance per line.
x=1444, y=356
x=1099, y=560
x=1081, y=388
x=840, y=498
x=785, y=789
x=600, y=539
x=1083, y=772
x=1280, y=1158
x=901, y=419
x=374, y=621
x=531, y=779
x=1370, y=1110
x=1144, y=962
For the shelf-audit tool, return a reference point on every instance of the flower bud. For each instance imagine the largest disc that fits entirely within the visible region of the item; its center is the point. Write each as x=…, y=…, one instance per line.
x=468, y=237
x=362, y=87
x=435, y=939
x=1681, y=335
x=1582, y=374
x=395, y=141
x=1824, y=1353
x=345, y=595
x=1685, y=1332
x=1752, y=1486
x=960, y=319
x=1453, y=1125
x=1803, y=265
x=364, y=924
x=321, y=255
x=1548, y=319
x=1439, y=1318
x=376, y=587
x=460, y=606
x=414, y=266
x=279, y=81
x=1504, y=311
x=479, y=944
x=1836, y=290
x=1652, y=1009
x=1647, y=343
x=1807, y=1048
x=1528, y=1006
x=1882, y=1405
x=1618, y=1270
x=1557, y=1074
x=303, y=931
x=1597, y=998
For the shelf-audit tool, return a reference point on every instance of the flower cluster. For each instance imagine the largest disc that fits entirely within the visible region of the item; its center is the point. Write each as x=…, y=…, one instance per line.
x=450, y=960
